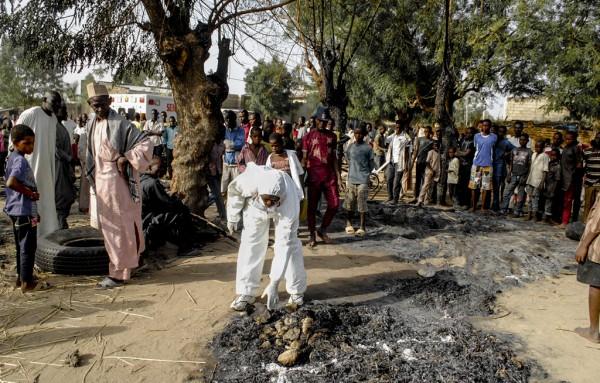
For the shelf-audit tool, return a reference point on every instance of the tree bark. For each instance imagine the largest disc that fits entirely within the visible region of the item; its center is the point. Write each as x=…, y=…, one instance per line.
x=443, y=99
x=200, y=119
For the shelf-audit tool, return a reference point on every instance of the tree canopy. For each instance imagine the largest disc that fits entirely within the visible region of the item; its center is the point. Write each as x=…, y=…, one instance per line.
x=270, y=86
x=21, y=84
x=571, y=51
x=142, y=36
x=330, y=34
x=402, y=63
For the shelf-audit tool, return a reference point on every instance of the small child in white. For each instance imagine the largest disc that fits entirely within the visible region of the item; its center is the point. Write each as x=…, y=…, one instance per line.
x=453, y=171
x=535, y=180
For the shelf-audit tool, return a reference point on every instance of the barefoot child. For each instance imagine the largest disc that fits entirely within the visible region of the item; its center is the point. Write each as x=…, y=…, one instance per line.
x=21, y=194
x=535, y=180
x=361, y=162
x=453, y=173
x=432, y=173
x=551, y=183
x=588, y=272
x=517, y=174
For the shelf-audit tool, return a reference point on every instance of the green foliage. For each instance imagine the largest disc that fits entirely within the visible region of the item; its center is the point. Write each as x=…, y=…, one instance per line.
x=270, y=87
x=571, y=50
x=71, y=35
x=403, y=60
x=21, y=84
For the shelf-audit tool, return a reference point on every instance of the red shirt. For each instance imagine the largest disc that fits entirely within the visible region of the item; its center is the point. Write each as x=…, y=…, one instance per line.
x=246, y=128
x=320, y=147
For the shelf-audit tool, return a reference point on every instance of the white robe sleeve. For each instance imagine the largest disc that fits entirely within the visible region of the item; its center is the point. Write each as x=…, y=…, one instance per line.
x=241, y=188
x=297, y=171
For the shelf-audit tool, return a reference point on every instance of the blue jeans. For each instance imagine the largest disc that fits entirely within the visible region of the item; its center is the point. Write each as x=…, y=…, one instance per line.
x=214, y=183
x=26, y=245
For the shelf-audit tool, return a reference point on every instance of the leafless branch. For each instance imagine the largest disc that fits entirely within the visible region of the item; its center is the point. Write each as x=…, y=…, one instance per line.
x=225, y=20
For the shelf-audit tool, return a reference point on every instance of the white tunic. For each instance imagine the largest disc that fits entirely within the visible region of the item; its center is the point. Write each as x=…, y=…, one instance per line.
x=42, y=162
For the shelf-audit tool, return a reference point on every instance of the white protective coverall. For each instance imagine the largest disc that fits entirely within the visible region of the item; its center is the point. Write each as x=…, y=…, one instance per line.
x=243, y=196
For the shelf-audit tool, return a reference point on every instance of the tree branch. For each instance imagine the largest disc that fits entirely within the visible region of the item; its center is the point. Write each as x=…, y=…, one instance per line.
x=225, y=20
x=156, y=14
x=216, y=11
x=343, y=51
x=344, y=66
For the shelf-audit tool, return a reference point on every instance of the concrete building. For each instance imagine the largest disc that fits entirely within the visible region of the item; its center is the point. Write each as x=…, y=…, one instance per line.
x=531, y=109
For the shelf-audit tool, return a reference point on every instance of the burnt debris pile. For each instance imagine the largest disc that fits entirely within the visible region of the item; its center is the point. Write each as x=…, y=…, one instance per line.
x=417, y=333
x=427, y=220
x=324, y=343
x=452, y=293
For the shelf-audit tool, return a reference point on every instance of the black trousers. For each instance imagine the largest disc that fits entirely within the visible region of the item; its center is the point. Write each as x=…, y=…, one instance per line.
x=175, y=227
x=394, y=182
x=420, y=177
x=169, y=161
x=26, y=244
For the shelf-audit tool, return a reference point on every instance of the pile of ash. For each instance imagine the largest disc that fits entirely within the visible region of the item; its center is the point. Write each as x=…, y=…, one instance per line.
x=452, y=293
x=324, y=343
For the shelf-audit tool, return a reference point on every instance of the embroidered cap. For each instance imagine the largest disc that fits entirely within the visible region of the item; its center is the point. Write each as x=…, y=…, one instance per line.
x=95, y=90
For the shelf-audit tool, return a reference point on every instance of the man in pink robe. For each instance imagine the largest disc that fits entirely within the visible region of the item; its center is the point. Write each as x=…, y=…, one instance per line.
x=116, y=154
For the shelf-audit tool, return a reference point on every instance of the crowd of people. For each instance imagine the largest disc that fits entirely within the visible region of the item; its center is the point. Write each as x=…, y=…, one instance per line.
x=271, y=170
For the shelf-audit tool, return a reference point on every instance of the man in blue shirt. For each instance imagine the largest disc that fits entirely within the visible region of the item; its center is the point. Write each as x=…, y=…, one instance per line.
x=482, y=170
x=169, y=135
x=234, y=142
x=501, y=156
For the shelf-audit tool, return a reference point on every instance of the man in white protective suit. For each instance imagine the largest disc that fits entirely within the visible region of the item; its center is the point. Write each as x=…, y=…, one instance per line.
x=262, y=194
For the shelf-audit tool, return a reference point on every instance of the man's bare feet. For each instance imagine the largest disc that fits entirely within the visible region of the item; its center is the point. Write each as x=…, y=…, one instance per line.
x=587, y=333
x=325, y=238
x=312, y=242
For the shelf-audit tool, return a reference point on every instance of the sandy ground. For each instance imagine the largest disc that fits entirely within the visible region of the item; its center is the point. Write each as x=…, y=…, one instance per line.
x=543, y=315
x=157, y=329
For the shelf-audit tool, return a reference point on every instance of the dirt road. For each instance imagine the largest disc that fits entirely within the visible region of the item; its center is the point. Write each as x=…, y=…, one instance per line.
x=157, y=329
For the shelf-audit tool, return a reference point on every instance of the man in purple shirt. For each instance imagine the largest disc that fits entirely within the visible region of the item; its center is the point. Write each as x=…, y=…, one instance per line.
x=482, y=169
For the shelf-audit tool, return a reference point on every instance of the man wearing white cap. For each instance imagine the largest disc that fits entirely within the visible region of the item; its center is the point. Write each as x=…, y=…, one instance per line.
x=43, y=121
x=116, y=154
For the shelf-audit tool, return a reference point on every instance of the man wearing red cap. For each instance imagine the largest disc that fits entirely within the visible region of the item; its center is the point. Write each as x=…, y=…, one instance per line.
x=320, y=161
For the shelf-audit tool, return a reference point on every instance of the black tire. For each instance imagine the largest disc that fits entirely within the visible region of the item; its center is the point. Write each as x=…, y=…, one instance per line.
x=77, y=251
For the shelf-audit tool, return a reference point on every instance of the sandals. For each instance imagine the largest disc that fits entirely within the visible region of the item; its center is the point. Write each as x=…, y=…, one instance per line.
x=109, y=283
x=349, y=230
x=360, y=233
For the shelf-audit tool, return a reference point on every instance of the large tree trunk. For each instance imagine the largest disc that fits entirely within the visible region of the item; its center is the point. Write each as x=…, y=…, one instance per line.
x=198, y=98
x=443, y=100
x=338, y=104
x=445, y=83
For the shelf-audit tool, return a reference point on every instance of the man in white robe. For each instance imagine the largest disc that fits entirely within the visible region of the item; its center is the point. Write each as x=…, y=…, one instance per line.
x=43, y=121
